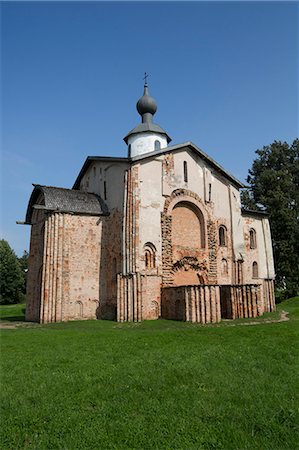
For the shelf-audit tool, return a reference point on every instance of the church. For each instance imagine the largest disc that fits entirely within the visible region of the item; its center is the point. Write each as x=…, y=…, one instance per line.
x=159, y=233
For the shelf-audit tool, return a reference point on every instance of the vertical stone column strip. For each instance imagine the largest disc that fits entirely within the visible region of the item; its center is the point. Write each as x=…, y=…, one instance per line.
x=241, y=311
x=122, y=299
x=186, y=299
x=192, y=303
x=129, y=221
x=43, y=291
x=197, y=306
x=213, y=304
x=135, y=207
x=259, y=300
x=250, y=300
x=47, y=272
x=244, y=301
x=54, y=269
x=217, y=299
x=124, y=234
x=49, y=268
x=135, y=297
x=208, y=304
x=51, y=282
x=59, y=290
x=66, y=265
x=129, y=297
x=139, y=290
x=272, y=295
x=202, y=305
x=233, y=301
x=254, y=301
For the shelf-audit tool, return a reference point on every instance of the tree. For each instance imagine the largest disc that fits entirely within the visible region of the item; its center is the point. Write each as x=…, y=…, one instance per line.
x=274, y=183
x=11, y=276
x=23, y=262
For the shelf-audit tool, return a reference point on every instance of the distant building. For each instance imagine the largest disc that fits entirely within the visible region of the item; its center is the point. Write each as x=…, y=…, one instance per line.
x=159, y=233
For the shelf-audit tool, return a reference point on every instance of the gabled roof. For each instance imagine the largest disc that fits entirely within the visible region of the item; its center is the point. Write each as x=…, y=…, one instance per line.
x=173, y=148
x=65, y=200
x=190, y=146
x=90, y=159
x=254, y=212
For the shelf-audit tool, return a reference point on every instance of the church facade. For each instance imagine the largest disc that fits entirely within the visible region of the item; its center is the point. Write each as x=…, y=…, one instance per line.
x=159, y=233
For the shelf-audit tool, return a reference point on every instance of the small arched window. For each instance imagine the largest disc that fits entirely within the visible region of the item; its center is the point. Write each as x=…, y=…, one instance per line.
x=255, y=270
x=222, y=235
x=129, y=150
x=150, y=255
x=79, y=309
x=252, y=238
x=157, y=145
x=185, y=172
x=224, y=267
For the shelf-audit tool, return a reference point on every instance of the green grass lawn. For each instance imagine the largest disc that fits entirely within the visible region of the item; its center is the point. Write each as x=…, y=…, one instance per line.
x=12, y=313
x=153, y=385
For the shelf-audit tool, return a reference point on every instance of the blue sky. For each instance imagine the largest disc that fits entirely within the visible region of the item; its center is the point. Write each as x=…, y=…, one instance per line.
x=224, y=74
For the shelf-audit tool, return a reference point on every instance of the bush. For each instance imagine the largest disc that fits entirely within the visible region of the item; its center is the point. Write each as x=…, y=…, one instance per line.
x=11, y=276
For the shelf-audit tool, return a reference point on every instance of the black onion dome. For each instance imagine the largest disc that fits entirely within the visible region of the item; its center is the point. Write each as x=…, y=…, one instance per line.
x=146, y=104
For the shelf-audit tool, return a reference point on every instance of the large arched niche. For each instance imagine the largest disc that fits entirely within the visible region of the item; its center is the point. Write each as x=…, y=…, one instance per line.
x=184, y=235
x=188, y=227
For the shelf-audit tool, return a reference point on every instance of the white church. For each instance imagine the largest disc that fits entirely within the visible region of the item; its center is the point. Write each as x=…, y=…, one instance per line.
x=158, y=233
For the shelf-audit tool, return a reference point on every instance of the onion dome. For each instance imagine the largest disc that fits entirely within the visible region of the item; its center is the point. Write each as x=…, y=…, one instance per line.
x=146, y=107
x=146, y=104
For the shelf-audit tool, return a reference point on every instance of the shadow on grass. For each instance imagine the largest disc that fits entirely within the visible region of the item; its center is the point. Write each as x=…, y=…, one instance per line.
x=13, y=319
x=12, y=313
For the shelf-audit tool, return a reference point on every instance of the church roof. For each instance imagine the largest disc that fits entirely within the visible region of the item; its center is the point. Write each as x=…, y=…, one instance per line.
x=147, y=127
x=254, y=212
x=190, y=146
x=51, y=198
x=174, y=148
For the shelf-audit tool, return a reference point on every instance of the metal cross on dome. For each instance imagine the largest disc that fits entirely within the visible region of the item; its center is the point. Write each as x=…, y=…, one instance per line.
x=145, y=77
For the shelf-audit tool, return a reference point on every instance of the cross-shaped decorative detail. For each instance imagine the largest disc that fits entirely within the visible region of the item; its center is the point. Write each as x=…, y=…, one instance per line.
x=145, y=77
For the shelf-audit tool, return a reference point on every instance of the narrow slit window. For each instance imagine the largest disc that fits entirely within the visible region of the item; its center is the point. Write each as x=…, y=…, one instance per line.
x=105, y=190
x=222, y=236
x=252, y=238
x=185, y=172
x=210, y=192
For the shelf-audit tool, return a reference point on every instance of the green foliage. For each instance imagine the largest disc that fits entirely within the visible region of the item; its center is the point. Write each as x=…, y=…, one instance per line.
x=23, y=262
x=274, y=180
x=11, y=276
x=152, y=385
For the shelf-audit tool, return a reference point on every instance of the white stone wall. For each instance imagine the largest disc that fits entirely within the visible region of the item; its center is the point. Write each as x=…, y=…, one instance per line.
x=223, y=204
x=145, y=143
x=106, y=179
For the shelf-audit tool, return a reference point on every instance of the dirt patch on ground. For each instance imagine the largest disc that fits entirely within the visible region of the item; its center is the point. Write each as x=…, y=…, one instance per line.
x=282, y=318
x=13, y=325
